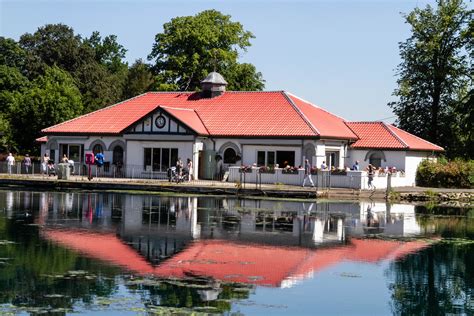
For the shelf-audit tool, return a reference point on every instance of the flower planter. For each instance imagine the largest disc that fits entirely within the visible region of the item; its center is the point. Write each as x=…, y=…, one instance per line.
x=290, y=171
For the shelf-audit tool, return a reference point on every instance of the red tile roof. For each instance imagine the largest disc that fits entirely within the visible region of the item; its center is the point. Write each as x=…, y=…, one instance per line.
x=189, y=117
x=386, y=136
x=324, y=123
x=258, y=114
x=43, y=139
x=231, y=114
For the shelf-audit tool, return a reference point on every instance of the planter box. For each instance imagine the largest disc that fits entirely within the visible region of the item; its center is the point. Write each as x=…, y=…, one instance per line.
x=289, y=171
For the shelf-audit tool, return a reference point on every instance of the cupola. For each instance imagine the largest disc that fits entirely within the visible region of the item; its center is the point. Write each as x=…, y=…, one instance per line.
x=213, y=85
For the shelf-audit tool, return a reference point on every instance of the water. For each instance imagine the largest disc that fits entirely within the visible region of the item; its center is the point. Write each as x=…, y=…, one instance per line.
x=125, y=254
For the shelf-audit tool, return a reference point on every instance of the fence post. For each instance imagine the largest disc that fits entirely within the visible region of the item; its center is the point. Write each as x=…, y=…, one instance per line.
x=389, y=183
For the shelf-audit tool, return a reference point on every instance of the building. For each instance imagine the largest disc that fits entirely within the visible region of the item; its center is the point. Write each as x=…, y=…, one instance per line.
x=218, y=129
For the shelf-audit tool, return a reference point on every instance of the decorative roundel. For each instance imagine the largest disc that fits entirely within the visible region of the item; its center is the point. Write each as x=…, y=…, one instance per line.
x=160, y=121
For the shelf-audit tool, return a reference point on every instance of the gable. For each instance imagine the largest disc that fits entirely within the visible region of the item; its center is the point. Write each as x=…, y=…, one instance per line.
x=159, y=122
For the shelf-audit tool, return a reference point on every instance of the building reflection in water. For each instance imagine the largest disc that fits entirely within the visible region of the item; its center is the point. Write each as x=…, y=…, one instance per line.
x=263, y=242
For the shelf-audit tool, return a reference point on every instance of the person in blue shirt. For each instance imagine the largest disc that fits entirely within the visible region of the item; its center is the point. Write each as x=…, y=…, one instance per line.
x=99, y=159
x=356, y=167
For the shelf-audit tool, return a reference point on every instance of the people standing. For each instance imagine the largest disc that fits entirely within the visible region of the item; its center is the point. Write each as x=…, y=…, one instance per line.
x=65, y=159
x=324, y=166
x=27, y=163
x=190, y=170
x=370, y=176
x=179, y=167
x=71, y=165
x=10, y=162
x=44, y=164
x=307, y=173
x=99, y=159
x=356, y=166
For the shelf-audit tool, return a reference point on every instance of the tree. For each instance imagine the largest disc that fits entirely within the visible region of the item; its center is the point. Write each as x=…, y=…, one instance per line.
x=12, y=84
x=139, y=79
x=51, y=99
x=11, y=54
x=96, y=64
x=98, y=87
x=192, y=46
x=107, y=51
x=435, y=75
x=52, y=45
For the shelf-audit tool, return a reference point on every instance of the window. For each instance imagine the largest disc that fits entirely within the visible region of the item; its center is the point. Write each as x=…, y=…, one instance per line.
x=159, y=159
x=375, y=159
x=332, y=159
x=285, y=158
x=265, y=158
x=270, y=158
x=230, y=156
x=73, y=151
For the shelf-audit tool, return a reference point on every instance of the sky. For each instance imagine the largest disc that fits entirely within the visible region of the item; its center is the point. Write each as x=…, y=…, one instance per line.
x=341, y=55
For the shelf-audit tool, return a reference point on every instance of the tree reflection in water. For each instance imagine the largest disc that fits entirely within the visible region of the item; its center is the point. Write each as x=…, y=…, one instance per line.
x=35, y=273
x=438, y=280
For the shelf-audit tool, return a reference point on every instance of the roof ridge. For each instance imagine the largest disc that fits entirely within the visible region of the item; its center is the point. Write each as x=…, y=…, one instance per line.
x=93, y=112
x=317, y=106
x=415, y=136
x=202, y=122
x=300, y=113
x=363, y=122
x=353, y=131
x=173, y=108
x=227, y=91
x=394, y=134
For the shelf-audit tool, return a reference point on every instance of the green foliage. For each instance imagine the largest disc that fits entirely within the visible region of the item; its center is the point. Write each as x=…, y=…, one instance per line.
x=51, y=99
x=96, y=64
x=12, y=85
x=393, y=195
x=52, y=44
x=435, y=76
x=453, y=174
x=11, y=54
x=139, y=79
x=192, y=46
x=108, y=51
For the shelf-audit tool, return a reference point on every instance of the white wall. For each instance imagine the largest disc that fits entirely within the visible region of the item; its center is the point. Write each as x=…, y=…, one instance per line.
x=135, y=150
x=413, y=159
x=393, y=158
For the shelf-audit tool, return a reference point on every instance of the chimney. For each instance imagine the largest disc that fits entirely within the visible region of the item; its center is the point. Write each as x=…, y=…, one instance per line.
x=213, y=85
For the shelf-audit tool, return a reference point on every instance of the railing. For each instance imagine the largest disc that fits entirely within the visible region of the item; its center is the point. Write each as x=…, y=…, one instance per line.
x=106, y=171
x=245, y=177
x=322, y=179
x=252, y=178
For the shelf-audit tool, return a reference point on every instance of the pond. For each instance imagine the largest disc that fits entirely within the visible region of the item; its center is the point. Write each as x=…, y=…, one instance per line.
x=126, y=254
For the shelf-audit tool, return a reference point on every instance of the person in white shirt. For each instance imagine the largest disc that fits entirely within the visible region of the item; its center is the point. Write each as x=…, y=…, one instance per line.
x=10, y=162
x=324, y=166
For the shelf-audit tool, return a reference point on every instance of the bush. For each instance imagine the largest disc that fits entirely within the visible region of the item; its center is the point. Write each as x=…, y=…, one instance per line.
x=446, y=174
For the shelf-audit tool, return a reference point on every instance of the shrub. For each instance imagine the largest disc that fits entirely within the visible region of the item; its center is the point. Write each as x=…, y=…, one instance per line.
x=446, y=174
